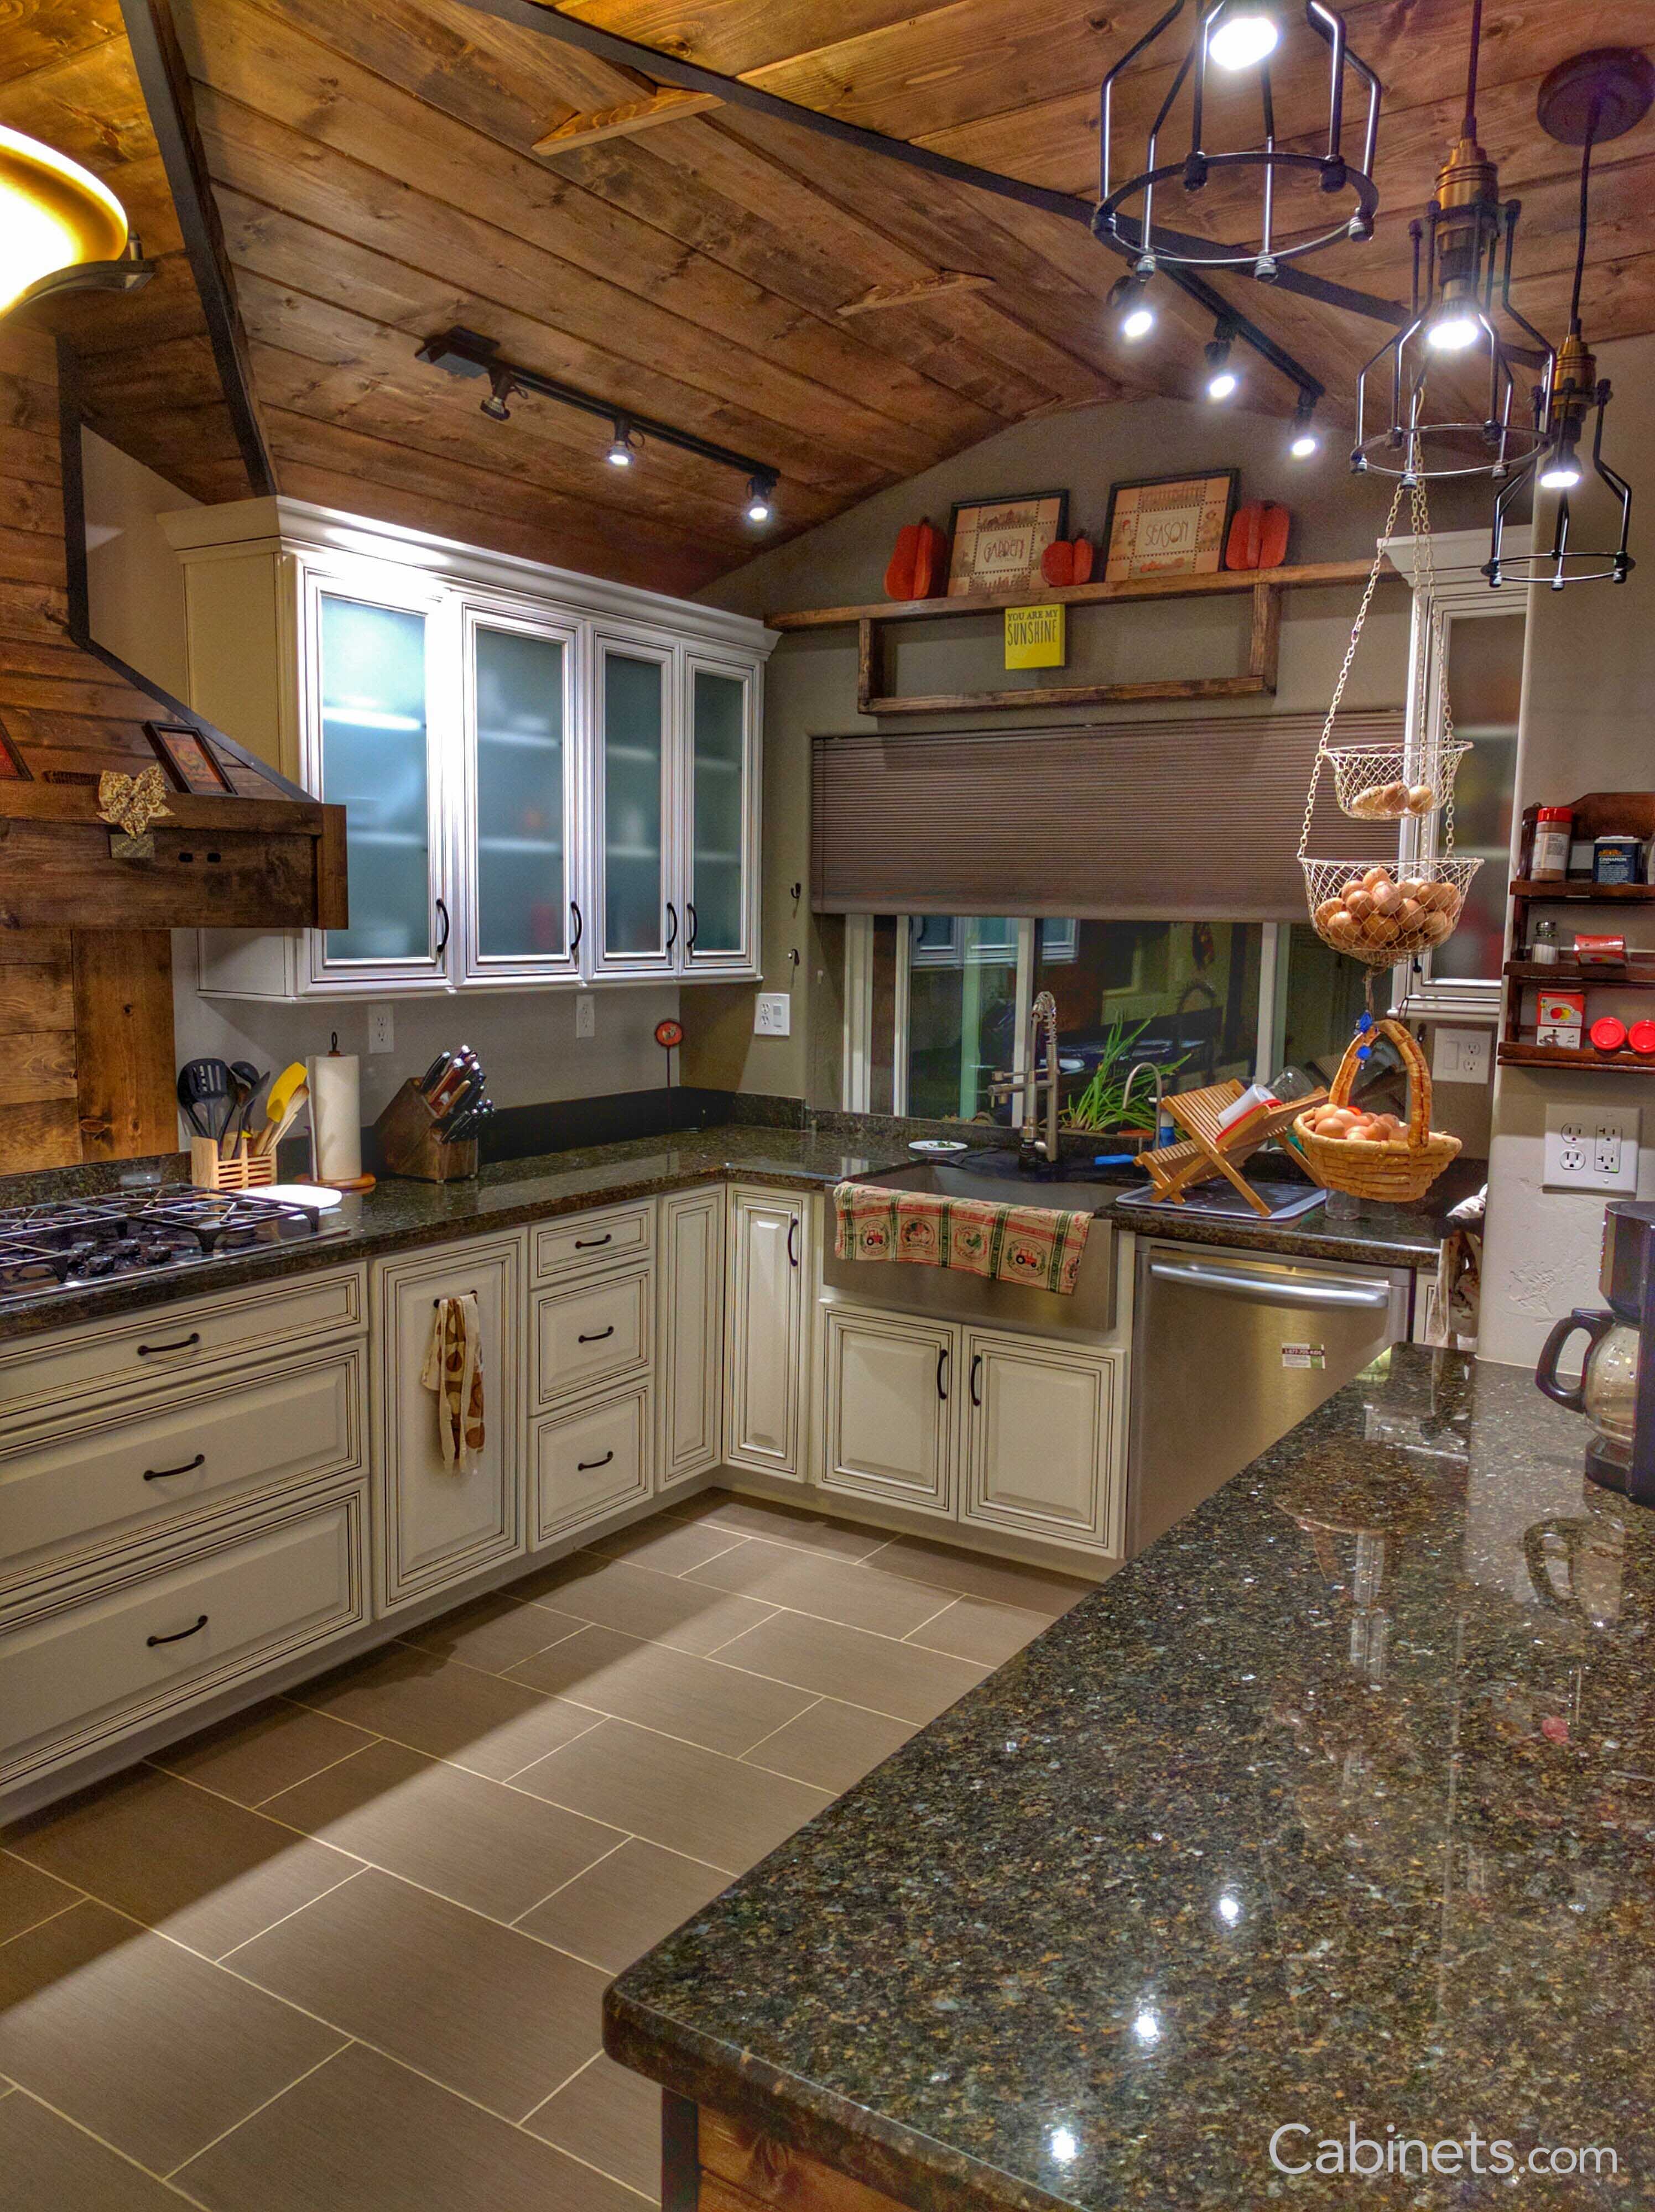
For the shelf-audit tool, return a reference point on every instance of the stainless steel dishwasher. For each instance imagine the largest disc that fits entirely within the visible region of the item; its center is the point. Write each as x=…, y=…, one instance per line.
x=1230, y=1350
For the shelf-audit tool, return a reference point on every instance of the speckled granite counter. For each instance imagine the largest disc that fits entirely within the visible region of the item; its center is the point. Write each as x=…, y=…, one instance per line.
x=398, y=1215
x=1316, y=1814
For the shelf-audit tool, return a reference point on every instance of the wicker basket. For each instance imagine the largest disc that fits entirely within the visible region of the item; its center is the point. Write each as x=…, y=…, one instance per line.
x=1383, y=782
x=1399, y=1171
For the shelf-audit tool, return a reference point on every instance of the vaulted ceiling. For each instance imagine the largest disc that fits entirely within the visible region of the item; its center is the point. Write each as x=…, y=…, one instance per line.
x=373, y=172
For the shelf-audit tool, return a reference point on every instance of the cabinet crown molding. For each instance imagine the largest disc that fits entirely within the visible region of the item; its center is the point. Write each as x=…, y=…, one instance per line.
x=278, y=524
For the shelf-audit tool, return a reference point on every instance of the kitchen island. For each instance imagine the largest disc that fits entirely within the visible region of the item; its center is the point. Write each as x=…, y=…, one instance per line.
x=1329, y=1820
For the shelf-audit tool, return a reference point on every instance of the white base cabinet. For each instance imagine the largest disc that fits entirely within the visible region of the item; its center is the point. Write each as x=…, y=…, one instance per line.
x=438, y=1523
x=592, y=1460
x=768, y=1348
x=890, y=1413
x=690, y=1334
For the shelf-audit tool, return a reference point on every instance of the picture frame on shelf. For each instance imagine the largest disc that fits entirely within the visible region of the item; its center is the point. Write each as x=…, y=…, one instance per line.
x=187, y=760
x=1168, y=525
x=996, y=543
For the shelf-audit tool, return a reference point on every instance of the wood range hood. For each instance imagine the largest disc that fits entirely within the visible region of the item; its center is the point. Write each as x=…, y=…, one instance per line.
x=258, y=855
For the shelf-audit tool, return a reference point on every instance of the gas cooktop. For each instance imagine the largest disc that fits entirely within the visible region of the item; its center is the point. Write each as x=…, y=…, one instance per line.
x=76, y=1243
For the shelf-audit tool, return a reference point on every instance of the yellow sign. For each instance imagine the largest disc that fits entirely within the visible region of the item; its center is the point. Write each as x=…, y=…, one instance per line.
x=1036, y=637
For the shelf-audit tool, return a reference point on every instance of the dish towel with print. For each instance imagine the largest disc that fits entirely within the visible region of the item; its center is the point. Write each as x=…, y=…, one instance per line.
x=453, y=1369
x=1027, y=1244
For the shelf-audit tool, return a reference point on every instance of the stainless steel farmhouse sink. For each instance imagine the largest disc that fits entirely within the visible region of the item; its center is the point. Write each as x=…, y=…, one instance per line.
x=1089, y=1310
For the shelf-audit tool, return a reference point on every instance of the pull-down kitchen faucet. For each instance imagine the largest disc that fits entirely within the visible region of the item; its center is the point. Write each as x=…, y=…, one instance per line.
x=1038, y=1149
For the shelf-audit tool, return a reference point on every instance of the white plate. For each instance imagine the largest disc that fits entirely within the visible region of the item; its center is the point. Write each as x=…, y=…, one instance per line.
x=299, y=1194
x=936, y=1148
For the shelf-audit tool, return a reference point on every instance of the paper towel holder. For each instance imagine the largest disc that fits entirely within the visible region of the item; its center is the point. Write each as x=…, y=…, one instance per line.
x=359, y=1182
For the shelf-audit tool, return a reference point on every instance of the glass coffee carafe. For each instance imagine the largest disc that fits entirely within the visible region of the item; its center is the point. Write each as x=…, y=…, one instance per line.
x=1621, y=1454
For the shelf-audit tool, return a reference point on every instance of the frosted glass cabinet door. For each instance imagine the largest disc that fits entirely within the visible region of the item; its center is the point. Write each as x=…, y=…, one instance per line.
x=639, y=927
x=521, y=918
x=718, y=830
x=375, y=762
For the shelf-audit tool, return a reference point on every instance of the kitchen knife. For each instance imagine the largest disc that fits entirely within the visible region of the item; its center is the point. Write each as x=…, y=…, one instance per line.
x=433, y=1074
x=448, y=1090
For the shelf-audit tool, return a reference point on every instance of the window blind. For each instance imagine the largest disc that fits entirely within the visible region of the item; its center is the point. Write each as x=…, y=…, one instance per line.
x=1184, y=820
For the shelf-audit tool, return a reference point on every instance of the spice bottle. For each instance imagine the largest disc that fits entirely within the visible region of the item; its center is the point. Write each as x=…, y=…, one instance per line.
x=1552, y=829
x=1542, y=944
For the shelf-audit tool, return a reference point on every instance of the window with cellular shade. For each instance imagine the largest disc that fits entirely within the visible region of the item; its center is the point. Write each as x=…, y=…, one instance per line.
x=1185, y=820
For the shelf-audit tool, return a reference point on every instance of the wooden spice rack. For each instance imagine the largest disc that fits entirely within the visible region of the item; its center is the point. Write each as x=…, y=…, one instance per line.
x=1266, y=586
x=1599, y=814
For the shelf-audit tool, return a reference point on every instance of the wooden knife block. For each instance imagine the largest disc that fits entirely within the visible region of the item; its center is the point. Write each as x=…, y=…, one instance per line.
x=408, y=1138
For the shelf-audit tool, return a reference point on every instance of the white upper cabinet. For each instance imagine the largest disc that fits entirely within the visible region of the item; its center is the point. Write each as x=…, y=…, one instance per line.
x=546, y=777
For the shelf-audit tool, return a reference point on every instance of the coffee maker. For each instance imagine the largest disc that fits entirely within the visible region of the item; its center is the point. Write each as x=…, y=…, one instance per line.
x=1616, y=1390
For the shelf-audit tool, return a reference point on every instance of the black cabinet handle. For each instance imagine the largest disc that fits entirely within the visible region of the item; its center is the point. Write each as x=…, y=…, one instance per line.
x=976, y=1369
x=586, y=1466
x=792, y=1240
x=442, y=941
x=695, y=926
x=942, y=1368
x=183, y=1344
x=579, y=926
x=164, y=1474
x=671, y=925
x=153, y=1640
x=598, y=1335
x=590, y=1243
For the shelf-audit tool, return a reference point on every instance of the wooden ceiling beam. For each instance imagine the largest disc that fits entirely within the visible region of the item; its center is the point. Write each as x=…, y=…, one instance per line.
x=626, y=121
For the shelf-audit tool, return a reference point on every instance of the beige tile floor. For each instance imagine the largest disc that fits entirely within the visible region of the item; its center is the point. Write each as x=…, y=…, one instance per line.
x=346, y=1953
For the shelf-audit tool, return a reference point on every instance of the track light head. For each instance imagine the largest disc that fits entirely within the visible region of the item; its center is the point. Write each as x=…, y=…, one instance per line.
x=1222, y=381
x=501, y=388
x=760, y=506
x=1128, y=301
x=623, y=448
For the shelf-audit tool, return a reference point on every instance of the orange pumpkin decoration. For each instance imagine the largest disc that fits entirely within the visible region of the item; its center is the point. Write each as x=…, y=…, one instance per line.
x=917, y=562
x=1258, y=536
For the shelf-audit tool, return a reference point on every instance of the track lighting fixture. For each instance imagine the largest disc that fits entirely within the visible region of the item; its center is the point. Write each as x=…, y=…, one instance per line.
x=1237, y=35
x=1128, y=301
x=502, y=385
x=1221, y=380
x=623, y=448
x=1307, y=440
x=1592, y=98
x=761, y=499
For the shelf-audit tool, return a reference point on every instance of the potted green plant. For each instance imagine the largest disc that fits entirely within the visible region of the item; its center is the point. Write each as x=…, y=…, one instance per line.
x=1102, y=1107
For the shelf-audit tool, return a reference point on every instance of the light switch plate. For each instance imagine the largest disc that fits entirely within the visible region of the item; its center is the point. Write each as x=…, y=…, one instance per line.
x=381, y=1030
x=1460, y=1055
x=773, y=1014
x=586, y=1015
x=1591, y=1148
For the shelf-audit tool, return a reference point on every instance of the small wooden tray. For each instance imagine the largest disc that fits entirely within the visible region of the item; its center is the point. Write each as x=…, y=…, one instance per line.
x=245, y=1169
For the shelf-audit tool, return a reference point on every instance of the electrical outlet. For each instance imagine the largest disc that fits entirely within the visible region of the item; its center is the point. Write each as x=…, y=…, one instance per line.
x=381, y=1030
x=1591, y=1148
x=773, y=1014
x=1460, y=1056
x=586, y=1015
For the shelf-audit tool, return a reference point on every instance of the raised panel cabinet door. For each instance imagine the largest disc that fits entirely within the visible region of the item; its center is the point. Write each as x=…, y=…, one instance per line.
x=721, y=828
x=521, y=919
x=767, y=1338
x=892, y=1387
x=691, y=1334
x=1040, y=1427
x=440, y=1523
x=639, y=929
x=591, y=1460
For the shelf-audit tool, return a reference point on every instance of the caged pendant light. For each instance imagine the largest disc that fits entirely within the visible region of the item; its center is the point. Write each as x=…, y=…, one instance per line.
x=1462, y=251
x=1586, y=102
x=1236, y=36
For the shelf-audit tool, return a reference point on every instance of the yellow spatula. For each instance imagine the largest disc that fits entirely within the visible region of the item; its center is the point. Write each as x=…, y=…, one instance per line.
x=279, y=1106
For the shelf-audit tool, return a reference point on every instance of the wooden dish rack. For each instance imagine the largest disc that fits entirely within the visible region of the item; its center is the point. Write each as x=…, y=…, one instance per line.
x=1208, y=1151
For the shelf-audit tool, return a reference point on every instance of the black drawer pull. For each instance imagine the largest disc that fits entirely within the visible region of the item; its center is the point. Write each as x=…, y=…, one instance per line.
x=591, y=1243
x=165, y=1474
x=586, y=1466
x=184, y=1344
x=942, y=1369
x=977, y=1370
x=597, y=1335
x=153, y=1640
x=792, y=1240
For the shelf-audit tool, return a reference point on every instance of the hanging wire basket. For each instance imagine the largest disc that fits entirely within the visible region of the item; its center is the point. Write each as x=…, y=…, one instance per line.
x=1378, y=914
x=1385, y=782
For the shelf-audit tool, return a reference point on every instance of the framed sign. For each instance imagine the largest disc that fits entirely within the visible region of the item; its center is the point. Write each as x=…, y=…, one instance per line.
x=188, y=764
x=998, y=543
x=1168, y=526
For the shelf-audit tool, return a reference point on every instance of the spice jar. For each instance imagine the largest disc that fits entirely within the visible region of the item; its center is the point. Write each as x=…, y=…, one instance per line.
x=1552, y=829
x=1641, y=1037
x=1542, y=944
x=1609, y=1033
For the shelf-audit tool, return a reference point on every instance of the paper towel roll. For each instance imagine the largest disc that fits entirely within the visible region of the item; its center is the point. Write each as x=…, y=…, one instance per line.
x=336, y=1116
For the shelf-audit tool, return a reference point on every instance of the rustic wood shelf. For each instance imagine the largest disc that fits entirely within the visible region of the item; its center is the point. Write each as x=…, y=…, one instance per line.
x=1638, y=974
x=1585, y=1062
x=1577, y=887
x=1266, y=586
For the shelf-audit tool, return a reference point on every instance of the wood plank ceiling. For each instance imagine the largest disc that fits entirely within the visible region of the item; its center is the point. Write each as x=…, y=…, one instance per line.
x=375, y=176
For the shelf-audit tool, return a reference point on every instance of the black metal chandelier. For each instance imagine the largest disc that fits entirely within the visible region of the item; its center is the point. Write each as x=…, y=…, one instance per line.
x=1584, y=101
x=1235, y=36
x=1462, y=255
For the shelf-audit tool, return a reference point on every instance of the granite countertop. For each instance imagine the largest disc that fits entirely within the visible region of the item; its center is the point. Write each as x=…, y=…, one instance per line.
x=398, y=1215
x=1316, y=1814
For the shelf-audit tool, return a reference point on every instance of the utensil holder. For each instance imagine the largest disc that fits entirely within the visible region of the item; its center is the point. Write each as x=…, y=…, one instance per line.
x=243, y=1170
x=408, y=1138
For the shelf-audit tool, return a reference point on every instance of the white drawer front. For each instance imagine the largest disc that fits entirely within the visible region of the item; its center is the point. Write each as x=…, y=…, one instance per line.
x=41, y=1377
x=592, y=1240
x=110, y=1480
x=591, y=1460
x=588, y=1337
x=81, y=1673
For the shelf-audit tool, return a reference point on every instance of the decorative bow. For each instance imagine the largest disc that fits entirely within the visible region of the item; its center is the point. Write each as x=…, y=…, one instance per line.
x=131, y=803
